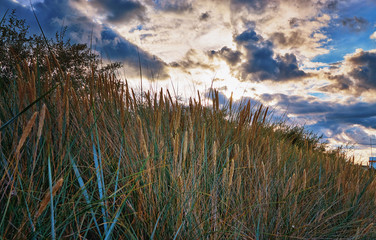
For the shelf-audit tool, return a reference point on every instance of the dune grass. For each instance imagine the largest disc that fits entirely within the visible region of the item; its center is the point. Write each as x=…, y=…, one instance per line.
x=100, y=162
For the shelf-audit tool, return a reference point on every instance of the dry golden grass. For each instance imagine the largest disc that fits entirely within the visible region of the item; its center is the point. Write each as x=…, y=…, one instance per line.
x=131, y=167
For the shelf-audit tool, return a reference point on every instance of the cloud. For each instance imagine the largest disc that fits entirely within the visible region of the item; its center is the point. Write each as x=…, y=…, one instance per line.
x=230, y=56
x=205, y=16
x=356, y=75
x=119, y=49
x=247, y=36
x=364, y=69
x=294, y=25
x=340, y=83
x=176, y=6
x=52, y=15
x=193, y=60
x=293, y=39
x=120, y=11
x=373, y=36
x=355, y=24
x=361, y=113
x=294, y=22
x=298, y=104
x=253, y=5
x=332, y=5
x=357, y=135
x=288, y=67
x=261, y=64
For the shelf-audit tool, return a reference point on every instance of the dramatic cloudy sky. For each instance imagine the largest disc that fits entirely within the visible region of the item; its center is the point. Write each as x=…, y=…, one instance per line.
x=314, y=60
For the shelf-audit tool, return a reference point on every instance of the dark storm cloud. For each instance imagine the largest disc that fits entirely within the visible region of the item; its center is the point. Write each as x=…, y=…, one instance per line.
x=340, y=83
x=294, y=39
x=332, y=113
x=357, y=113
x=191, y=61
x=205, y=16
x=53, y=13
x=230, y=56
x=294, y=22
x=247, y=36
x=355, y=24
x=364, y=69
x=298, y=104
x=176, y=6
x=288, y=67
x=360, y=75
x=119, y=49
x=120, y=11
x=261, y=62
x=332, y=5
x=253, y=5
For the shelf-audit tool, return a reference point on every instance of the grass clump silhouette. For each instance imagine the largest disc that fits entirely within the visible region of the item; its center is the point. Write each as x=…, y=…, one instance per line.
x=100, y=162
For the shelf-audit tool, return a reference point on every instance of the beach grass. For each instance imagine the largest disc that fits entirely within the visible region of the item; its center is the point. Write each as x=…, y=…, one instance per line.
x=96, y=160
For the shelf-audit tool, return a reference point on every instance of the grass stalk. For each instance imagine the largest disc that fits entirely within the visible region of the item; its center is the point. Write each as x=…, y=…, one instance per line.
x=53, y=233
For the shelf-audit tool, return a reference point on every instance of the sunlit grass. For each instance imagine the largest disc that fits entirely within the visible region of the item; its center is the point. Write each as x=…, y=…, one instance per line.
x=100, y=162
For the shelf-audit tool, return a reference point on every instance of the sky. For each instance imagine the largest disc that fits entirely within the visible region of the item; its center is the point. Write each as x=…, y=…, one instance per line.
x=311, y=60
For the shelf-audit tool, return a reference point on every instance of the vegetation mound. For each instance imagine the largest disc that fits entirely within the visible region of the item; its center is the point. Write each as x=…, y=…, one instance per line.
x=84, y=157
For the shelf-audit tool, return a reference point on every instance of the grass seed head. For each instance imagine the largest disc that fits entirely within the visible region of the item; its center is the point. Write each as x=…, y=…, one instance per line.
x=26, y=133
x=47, y=197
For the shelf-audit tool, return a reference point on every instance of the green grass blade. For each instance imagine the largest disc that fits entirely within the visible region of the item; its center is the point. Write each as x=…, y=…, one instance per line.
x=100, y=184
x=27, y=209
x=28, y=107
x=53, y=234
x=156, y=224
x=112, y=226
x=117, y=175
x=177, y=233
x=84, y=192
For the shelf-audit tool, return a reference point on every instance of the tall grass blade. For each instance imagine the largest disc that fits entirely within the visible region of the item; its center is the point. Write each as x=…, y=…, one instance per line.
x=27, y=209
x=98, y=172
x=84, y=192
x=156, y=224
x=28, y=107
x=5, y=14
x=53, y=233
x=116, y=218
x=177, y=233
x=117, y=174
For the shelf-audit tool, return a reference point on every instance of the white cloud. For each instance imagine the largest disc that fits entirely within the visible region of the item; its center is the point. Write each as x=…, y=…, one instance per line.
x=373, y=36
